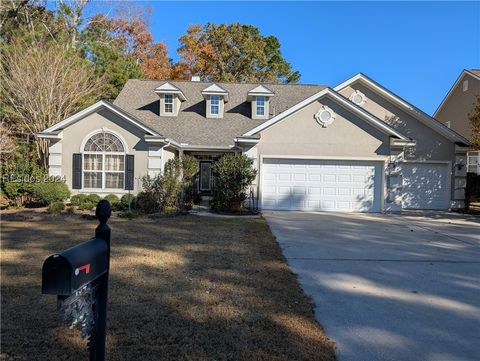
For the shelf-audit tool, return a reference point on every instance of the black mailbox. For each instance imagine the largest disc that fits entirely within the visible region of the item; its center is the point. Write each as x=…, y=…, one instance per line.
x=66, y=272
x=79, y=278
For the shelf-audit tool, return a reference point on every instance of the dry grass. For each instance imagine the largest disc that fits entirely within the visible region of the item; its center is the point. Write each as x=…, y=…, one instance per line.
x=184, y=288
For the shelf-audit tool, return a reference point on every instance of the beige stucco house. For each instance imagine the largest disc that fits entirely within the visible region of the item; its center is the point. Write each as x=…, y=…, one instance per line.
x=354, y=147
x=455, y=108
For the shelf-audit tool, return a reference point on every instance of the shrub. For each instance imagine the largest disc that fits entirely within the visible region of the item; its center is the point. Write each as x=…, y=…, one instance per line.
x=171, y=185
x=17, y=174
x=56, y=207
x=87, y=205
x=114, y=202
x=94, y=198
x=233, y=175
x=78, y=199
x=85, y=202
x=177, y=182
x=150, y=199
x=18, y=193
x=128, y=200
x=49, y=192
x=70, y=209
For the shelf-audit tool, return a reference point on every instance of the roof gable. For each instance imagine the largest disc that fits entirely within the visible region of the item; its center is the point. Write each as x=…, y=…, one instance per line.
x=214, y=88
x=377, y=123
x=102, y=104
x=475, y=73
x=168, y=88
x=409, y=108
x=261, y=90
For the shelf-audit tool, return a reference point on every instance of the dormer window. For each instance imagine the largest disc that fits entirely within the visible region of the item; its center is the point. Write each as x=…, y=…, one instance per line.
x=260, y=99
x=215, y=97
x=260, y=106
x=168, y=103
x=171, y=99
x=214, y=105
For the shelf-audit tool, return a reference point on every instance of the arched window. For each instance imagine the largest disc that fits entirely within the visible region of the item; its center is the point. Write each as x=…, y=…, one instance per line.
x=104, y=162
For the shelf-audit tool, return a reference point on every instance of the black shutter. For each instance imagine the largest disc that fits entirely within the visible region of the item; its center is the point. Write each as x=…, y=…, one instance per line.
x=77, y=171
x=129, y=172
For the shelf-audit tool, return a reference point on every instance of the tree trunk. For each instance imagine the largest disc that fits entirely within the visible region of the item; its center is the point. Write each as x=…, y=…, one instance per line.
x=42, y=152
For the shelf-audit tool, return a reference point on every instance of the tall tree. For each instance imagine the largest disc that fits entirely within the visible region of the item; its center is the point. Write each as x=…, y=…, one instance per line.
x=70, y=14
x=108, y=56
x=28, y=21
x=43, y=84
x=232, y=52
x=474, y=118
x=134, y=39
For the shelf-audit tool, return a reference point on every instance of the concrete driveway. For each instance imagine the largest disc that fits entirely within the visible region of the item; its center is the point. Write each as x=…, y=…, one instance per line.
x=389, y=287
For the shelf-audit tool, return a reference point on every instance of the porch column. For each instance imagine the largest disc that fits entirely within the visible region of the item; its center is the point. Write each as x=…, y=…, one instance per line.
x=459, y=178
x=252, y=154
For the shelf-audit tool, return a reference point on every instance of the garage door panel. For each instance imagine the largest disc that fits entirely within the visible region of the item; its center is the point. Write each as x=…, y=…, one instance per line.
x=312, y=190
x=321, y=185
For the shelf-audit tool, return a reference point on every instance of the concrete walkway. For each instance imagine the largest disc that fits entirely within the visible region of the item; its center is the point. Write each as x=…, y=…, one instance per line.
x=389, y=287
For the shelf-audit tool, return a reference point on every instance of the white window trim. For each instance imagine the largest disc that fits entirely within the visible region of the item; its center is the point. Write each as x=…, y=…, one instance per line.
x=170, y=96
x=103, y=171
x=104, y=130
x=257, y=107
x=217, y=98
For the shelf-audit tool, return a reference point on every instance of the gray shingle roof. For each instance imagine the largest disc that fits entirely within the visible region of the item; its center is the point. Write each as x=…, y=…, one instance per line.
x=474, y=71
x=191, y=126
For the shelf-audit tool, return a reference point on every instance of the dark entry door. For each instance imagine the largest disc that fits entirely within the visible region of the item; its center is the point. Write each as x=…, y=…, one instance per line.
x=205, y=176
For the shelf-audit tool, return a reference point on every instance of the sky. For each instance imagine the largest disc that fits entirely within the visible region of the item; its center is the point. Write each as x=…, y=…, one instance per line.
x=415, y=49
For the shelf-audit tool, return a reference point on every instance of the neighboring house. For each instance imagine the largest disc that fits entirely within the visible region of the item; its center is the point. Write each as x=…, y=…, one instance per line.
x=455, y=108
x=355, y=147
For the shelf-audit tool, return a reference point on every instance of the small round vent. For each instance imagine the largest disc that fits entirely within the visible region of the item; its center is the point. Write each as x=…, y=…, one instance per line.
x=358, y=98
x=325, y=116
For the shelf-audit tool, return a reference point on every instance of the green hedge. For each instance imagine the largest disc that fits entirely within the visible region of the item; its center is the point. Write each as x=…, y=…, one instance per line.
x=128, y=199
x=78, y=199
x=50, y=192
x=56, y=207
x=114, y=202
x=234, y=173
x=85, y=202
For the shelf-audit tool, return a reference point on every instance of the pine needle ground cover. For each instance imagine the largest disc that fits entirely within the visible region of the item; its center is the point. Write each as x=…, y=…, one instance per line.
x=181, y=288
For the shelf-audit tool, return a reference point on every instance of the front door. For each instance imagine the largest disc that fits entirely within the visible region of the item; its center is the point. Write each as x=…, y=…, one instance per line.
x=205, y=176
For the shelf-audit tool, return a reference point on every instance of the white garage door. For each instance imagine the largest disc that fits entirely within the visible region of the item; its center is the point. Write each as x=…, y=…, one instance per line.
x=425, y=186
x=321, y=185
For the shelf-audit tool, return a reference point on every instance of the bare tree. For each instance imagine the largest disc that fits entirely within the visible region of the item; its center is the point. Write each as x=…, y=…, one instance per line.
x=43, y=84
x=70, y=12
x=7, y=145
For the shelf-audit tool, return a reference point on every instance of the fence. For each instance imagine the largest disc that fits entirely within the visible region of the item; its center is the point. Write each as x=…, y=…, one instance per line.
x=473, y=162
x=472, y=191
x=252, y=200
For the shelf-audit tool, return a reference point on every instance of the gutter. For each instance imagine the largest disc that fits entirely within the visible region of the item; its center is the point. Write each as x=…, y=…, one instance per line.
x=206, y=147
x=50, y=135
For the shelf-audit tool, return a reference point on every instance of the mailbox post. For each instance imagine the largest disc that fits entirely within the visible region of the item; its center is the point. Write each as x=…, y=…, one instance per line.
x=79, y=278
